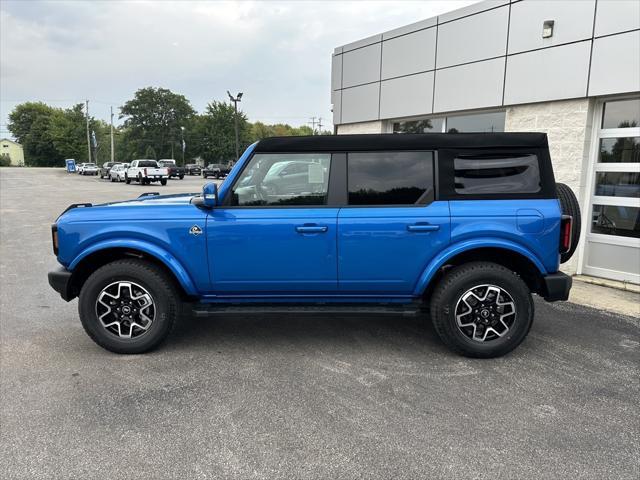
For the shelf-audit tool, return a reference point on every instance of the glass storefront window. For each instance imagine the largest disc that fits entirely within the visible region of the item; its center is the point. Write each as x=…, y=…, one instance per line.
x=620, y=150
x=616, y=220
x=481, y=122
x=428, y=125
x=618, y=184
x=621, y=114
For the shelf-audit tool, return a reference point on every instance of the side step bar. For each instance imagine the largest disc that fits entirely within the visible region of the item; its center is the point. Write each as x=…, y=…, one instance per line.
x=208, y=310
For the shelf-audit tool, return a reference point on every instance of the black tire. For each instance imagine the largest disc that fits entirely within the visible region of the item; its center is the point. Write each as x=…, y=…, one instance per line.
x=112, y=179
x=127, y=180
x=181, y=177
x=456, y=284
x=163, y=182
x=146, y=275
x=570, y=206
x=140, y=179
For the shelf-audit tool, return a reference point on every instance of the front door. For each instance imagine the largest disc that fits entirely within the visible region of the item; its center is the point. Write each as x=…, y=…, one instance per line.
x=391, y=227
x=274, y=234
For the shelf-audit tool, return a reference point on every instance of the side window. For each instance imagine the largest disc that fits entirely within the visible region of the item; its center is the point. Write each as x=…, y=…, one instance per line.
x=496, y=174
x=279, y=179
x=390, y=178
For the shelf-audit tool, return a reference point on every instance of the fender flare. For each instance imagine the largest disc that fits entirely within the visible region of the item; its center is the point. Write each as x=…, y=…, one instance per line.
x=159, y=253
x=467, y=245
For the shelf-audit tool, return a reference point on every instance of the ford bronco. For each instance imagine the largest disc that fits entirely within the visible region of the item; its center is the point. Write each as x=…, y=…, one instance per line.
x=462, y=227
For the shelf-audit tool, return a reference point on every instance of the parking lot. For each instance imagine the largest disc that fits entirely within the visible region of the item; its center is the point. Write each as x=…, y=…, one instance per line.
x=294, y=397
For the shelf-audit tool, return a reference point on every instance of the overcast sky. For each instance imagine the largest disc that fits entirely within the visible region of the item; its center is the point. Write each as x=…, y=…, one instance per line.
x=277, y=53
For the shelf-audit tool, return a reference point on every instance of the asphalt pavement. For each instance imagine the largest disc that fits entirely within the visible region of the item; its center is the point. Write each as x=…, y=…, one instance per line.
x=294, y=396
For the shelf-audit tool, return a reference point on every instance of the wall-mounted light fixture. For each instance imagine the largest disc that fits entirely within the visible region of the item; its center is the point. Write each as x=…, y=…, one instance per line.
x=547, y=29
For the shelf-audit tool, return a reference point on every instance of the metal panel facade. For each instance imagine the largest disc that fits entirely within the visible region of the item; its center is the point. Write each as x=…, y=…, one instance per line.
x=615, y=64
x=361, y=66
x=360, y=103
x=548, y=74
x=475, y=85
x=615, y=16
x=408, y=54
x=406, y=96
x=471, y=44
x=573, y=21
x=473, y=38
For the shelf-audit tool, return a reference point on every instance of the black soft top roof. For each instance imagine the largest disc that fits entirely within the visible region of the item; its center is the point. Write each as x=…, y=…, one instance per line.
x=404, y=141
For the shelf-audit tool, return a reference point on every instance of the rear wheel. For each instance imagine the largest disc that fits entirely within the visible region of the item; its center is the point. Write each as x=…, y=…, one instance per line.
x=570, y=206
x=482, y=309
x=128, y=306
x=127, y=180
x=163, y=182
x=181, y=177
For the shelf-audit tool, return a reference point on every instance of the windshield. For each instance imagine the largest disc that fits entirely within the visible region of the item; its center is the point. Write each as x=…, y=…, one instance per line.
x=167, y=163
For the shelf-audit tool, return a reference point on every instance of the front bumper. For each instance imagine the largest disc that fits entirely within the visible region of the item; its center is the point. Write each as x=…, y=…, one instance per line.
x=60, y=281
x=556, y=287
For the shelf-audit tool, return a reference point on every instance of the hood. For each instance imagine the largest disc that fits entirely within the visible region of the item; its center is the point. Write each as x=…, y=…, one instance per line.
x=128, y=209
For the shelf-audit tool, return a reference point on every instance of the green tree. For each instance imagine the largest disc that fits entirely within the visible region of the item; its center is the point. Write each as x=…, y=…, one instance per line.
x=153, y=118
x=30, y=123
x=212, y=135
x=68, y=132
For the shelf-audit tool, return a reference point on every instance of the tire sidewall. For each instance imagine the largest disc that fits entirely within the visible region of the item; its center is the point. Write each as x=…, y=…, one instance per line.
x=517, y=332
x=165, y=307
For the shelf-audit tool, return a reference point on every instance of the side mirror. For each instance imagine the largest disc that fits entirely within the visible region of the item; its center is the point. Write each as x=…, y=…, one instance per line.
x=209, y=197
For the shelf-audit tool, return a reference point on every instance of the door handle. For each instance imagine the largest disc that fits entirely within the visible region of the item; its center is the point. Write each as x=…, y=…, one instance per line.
x=422, y=227
x=311, y=229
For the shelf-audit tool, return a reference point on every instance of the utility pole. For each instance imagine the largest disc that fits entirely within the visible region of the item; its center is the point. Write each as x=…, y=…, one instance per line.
x=88, y=135
x=235, y=120
x=313, y=125
x=320, y=126
x=112, y=150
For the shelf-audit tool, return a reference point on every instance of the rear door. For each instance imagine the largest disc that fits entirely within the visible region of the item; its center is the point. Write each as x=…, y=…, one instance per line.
x=391, y=227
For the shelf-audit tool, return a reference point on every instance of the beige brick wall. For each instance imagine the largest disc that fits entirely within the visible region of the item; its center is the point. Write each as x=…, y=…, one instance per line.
x=377, y=126
x=568, y=124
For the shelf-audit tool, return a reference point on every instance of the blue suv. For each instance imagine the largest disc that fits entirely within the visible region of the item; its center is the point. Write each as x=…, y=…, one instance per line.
x=462, y=227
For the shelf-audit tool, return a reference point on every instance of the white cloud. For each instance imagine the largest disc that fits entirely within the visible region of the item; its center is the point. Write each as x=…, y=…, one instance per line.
x=277, y=53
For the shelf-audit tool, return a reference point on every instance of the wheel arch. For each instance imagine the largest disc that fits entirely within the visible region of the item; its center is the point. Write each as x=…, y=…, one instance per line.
x=508, y=254
x=101, y=254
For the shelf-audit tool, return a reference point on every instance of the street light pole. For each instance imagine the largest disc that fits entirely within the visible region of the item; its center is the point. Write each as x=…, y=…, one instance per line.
x=235, y=119
x=183, y=145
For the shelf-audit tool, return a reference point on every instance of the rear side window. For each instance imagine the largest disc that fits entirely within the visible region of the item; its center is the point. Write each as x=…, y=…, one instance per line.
x=148, y=163
x=390, y=178
x=496, y=174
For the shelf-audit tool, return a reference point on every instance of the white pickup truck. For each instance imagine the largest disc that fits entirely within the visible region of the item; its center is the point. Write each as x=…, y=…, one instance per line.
x=146, y=171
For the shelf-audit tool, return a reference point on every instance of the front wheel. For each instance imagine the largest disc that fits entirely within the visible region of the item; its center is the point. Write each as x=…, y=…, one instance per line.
x=482, y=310
x=128, y=306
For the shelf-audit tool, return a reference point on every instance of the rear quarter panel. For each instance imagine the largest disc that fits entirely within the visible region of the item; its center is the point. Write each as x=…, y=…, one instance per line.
x=533, y=224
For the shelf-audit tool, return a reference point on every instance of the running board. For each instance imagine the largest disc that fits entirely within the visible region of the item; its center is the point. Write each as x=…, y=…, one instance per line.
x=412, y=310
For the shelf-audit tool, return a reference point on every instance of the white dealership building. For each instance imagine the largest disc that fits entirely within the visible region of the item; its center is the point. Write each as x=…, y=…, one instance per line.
x=570, y=68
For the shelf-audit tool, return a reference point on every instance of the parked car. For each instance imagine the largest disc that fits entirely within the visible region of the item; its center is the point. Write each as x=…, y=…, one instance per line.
x=465, y=226
x=174, y=169
x=193, y=169
x=89, y=169
x=106, y=167
x=215, y=170
x=118, y=172
x=146, y=171
x=79, y=168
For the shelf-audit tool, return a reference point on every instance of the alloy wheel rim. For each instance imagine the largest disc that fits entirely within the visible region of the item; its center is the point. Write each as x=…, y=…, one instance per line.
x=485, y=313
x=125, y=309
